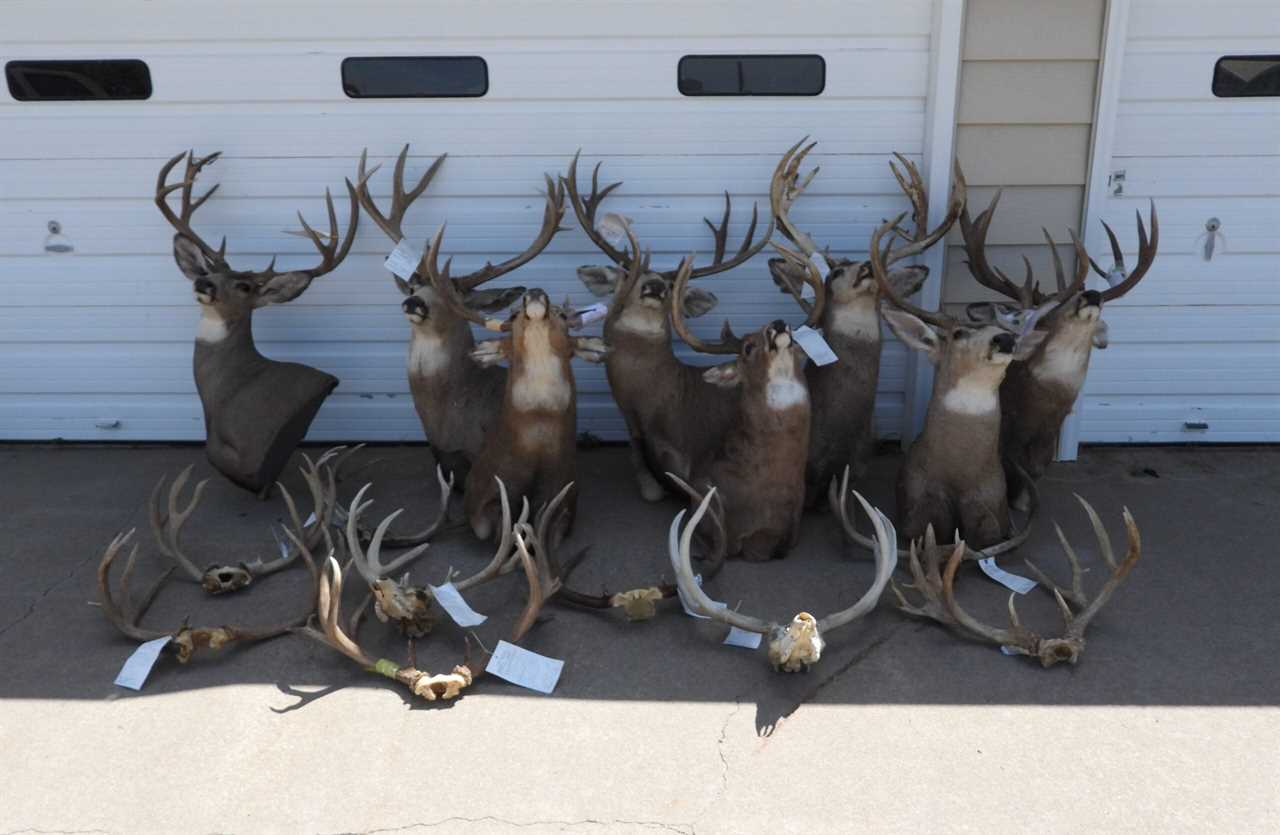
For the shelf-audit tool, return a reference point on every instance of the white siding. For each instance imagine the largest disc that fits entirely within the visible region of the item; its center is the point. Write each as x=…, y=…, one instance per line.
x=1196, y=340
x=97, y=345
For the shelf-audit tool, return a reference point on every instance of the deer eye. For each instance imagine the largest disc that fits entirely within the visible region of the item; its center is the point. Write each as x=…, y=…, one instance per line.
x=748, y=348
x=243, y=286
x=959, y=333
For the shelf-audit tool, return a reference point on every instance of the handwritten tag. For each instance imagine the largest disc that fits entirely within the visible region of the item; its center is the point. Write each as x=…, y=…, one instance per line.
x=1013, y=582
x=138, y=665
x=812, y=343
x=450, y=599
x=403, y=260
x=613, y=228
x=525, y=669
x=592, y=313
x=741, y=638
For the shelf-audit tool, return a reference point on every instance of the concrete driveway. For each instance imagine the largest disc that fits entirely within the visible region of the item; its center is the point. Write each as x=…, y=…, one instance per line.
x=1168, y=724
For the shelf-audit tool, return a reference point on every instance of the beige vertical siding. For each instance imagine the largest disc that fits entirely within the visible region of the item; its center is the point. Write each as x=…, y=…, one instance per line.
x=1027, y=87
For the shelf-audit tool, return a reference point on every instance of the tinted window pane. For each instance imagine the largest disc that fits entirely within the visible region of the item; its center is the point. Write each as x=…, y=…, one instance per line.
x=1247, y=76
x=752, y=75
x=411, y=78
x=78, y=80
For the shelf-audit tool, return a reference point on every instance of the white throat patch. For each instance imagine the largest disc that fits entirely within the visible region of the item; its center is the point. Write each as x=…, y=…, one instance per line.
x=784, y=390
x=542, y=383
x=427, y=356
x=972, y=397
x=859, y=321
x=212, y=327
x=642, y=322
x=1064, y=364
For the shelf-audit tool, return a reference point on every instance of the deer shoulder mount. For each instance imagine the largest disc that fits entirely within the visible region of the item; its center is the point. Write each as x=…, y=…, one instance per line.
x=674, y=418
x=256, y=410
x=952, y=477
x=458, y=400
x=1037, y=395
x=533, y=446
x=759, y=465
x=843, y=393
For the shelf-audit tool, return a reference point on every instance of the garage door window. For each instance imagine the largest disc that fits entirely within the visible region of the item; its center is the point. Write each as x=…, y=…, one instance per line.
x=1246, y=76
x=78, y=80
x=420, y=77
x=752, y=75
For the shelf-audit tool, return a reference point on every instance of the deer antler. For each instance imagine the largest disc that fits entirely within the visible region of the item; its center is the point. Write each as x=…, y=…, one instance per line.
x=798, y=644
x=182, y=221
x=552, y=214
x=585, y=209
x=1146, y=255
x=392, y=222
x=186, y=640
x=729, y=343
x=439, y=277
x=167, y=524
x=939, y=601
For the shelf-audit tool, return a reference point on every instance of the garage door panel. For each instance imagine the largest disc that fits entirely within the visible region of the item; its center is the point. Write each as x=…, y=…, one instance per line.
x=1147, y=419
x=1193, y=368
x=1201, y=177
x=1194, y=19
x=1193, y=324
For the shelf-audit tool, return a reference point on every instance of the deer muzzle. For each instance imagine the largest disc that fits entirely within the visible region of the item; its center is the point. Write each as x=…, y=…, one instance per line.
x=206, y=291
x=1003, y=343
x=415, y=309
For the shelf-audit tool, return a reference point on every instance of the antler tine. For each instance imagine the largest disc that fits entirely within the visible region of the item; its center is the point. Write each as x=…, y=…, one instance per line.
x=813, y=310
x=167, y=528
x=1146, y=255
x=586, y=209
x=974, y=233
x=1015, y=637
x=552, y=214
x=1076, y=627
x=689, y=588
x=927, y=581
x=369, y=563
x=1076, y=593
x=785, y=187
x=920, y=203
x=332, y=253
x=714, y=560
x=912, y=185
x=448, y=288
x=886, y=562
x=542, y=586
x=728, y=344
x=501, y=553
x=181, y=222
x=392, y=223
x=746, y=251
x=126, y=620
x=877, y=261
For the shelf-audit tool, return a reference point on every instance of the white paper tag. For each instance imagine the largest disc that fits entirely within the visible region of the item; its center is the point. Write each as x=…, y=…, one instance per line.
x=403, y=260
x=592, y=313
x=1013, y=582
x=1116, y=275
x=310, y=520
x=138, y=666
x=1009, y=650
x=741, y=638
x=524, y=668
x=812, y=343
x=613, y=228
x=820, y=264
x=450, y=599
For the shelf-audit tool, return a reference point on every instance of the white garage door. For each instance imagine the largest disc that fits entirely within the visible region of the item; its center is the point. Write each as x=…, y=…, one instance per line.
x=1195, y=353
x=96, y=344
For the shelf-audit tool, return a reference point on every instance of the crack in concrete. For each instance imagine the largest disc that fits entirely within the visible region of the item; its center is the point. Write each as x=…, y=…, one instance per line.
x=724, y=761
x=32, y=831
x=684, y=829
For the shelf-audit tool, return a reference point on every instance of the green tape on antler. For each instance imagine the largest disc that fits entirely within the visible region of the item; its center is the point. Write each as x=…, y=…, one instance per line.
x=386, y=667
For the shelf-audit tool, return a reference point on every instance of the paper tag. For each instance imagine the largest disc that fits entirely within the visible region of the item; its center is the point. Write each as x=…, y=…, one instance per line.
x=592, y=313
x=138, y=666
x=812, y=343
x=741, y=638
x=1116, y=275
x=524, y=668
x=613, y=228
x=1009, y=650
x=310, y=520
x=403, y=260
x=450, y=599
x=1013, y=582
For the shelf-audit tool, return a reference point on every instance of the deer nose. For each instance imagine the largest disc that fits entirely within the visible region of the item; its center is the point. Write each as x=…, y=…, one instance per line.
x=1003, y=342
x=654, y=288
x=1091, y=298
x=415, y=308
x=205, y=287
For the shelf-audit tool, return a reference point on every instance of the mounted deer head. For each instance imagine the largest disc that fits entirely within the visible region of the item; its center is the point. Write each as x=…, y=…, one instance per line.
x=952, y=477
x=532, y=447
x=843, y=393
x=256, y=410
x=674, y=418
x=457, y=401
x=1037, y=396
x=759, y=464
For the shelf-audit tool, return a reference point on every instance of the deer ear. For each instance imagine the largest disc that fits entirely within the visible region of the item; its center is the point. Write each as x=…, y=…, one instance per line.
x=906, y=281
x=491, y=352
x=1100, y=335
x=190, y=258
x=600, y=281
x=982, y=313
x=1027, y=344
x=726, y=375
x=698, y=302
x=786, y=274
x=283, y=288
x=914, y=332
x=590, y=348
x=491, y=301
